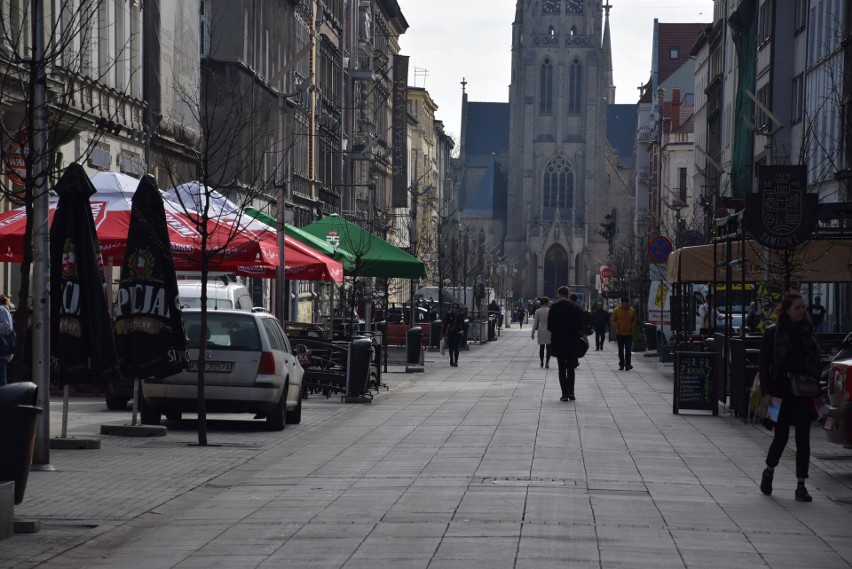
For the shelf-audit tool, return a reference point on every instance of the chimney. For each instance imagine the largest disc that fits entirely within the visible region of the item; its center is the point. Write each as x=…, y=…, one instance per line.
x=675, y=109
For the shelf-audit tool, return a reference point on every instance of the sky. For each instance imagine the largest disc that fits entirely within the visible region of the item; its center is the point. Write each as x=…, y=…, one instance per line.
x=472, y=39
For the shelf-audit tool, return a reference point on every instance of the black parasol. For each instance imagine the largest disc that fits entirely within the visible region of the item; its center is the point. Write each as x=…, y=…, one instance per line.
x=148, y=325
x=82, y=349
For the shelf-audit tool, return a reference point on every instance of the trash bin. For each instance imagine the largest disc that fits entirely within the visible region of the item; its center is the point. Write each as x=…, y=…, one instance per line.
x=18, y=415
x=492, y=326
x=435, y=334
x=650, y=336
x=413, y=341
x=359, y=366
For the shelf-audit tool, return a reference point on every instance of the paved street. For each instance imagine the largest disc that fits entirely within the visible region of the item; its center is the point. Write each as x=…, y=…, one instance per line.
x=468, y=467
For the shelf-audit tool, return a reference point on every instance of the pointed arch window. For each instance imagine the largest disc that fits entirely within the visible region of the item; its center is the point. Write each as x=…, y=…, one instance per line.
x=575, y=88
x=573, y=31
x=545, y=99
x=558, y=190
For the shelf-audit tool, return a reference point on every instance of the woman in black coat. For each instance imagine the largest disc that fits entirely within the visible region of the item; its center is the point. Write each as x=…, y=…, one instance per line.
x=789, y=346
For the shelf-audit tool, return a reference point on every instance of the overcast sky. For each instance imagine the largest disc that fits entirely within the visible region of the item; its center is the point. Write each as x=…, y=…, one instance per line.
x=452, y=39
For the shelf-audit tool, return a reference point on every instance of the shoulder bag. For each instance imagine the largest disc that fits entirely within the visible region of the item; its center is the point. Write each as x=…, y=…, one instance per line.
x=803, y=385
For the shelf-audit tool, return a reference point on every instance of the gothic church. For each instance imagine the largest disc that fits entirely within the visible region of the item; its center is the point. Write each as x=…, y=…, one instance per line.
x=540, y=173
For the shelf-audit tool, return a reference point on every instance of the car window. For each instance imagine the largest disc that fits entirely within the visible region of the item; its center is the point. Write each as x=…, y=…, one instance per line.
x=284, y=338
x=227, y=331
x=275, y=337
x=195, y=302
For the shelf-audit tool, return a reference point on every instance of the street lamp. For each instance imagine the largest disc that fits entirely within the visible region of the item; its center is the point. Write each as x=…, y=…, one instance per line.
x=608, y=231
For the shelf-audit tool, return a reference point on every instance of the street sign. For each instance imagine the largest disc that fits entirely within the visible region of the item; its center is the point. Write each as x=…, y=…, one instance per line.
x=659, y=249
x=606, y=272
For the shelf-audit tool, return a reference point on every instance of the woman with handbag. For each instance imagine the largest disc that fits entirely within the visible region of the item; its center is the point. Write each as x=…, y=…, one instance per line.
x=540, y=326
x=789, y=360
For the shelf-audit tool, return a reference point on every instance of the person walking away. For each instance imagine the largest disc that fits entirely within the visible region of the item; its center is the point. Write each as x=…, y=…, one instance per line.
x=752, y=318
x=706, y=314
x=453, y=329
x=520, y=314
x=494, y=308
x=540, y=326
x=563, y=322
x=600, y=321
x=623, y=319
x=817, y=313
x=789, y=346
x=6, y=327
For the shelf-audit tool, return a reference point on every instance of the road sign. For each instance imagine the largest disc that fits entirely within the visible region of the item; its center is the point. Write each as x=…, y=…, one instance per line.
x=659, y=249
x=606, y=272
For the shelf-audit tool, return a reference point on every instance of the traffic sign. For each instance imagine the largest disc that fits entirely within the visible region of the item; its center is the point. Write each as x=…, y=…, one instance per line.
x=606, y=272
x=659, y=249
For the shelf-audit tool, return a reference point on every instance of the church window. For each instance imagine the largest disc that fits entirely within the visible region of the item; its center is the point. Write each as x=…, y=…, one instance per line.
x=575, y=89
x=545, y=103
x=558, y=191
x=551, y=32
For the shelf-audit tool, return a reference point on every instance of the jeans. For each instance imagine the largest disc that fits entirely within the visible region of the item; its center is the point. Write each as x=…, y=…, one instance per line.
x=544, y=350
x=566, y=374
x=625, y=346
x=453, y=341
x=599, y=338
x=801, y=419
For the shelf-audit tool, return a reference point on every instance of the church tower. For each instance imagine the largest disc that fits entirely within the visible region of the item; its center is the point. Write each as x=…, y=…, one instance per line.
x=558, y=180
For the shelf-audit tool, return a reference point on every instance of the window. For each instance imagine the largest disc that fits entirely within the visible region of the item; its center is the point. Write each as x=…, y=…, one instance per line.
x=801, y=15
x=798, y=100
x=764, y=22
x=575, y=89
x=674, y=53
x=558, y=190
x=761, y=122
x=681, y=188
x=545, y=102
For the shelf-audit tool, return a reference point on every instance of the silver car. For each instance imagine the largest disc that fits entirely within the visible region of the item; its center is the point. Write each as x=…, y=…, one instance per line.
x=250, y=368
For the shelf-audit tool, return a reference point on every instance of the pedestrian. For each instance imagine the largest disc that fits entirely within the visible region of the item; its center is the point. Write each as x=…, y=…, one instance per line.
x=789, y=346
x=705, y=316
x=494, y=308
x=452, y=332
x=817, y=314
x=540, y=326
x=563, y=322
x=623, y=319
x=752, y=318
x=520, y=314
x=600, y=321
x=6, y=327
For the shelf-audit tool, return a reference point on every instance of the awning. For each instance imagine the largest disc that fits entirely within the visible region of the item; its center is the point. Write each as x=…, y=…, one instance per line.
x=818, y=261
x=306, y=238
x=372, y=256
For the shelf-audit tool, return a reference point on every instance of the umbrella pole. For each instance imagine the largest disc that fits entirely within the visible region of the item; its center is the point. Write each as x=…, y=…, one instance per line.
x=66, y=393
x=135, y=405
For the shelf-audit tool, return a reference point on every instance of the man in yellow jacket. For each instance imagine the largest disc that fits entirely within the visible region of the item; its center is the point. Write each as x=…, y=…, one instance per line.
x=623, y=319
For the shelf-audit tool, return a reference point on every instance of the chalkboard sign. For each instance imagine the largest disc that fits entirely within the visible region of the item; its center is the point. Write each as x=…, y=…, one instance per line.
x=694, y=382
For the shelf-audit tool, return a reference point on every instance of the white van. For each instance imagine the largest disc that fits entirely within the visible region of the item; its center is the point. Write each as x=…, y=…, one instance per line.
x=219, y=295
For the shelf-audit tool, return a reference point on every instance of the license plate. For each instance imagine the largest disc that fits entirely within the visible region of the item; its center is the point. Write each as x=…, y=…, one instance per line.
x=213, y=367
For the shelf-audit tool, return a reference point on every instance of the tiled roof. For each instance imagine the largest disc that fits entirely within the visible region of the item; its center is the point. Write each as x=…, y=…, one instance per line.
x=487, y=128
x=681, y=36
x=621, y=130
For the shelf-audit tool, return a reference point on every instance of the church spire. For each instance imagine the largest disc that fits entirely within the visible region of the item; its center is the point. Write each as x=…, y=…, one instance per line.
x=606, y=49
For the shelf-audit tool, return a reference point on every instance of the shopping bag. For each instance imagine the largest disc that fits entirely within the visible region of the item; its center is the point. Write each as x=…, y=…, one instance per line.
x=443, y=346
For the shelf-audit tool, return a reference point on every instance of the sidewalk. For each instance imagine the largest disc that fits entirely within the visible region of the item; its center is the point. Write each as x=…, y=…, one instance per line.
x=475, y=466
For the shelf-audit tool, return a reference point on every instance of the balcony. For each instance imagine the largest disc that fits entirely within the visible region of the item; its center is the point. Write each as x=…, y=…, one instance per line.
x=647, y=135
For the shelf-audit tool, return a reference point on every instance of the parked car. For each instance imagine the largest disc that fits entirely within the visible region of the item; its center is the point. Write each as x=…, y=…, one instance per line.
x=838, y=380
x=219, y=295
x=251, y=368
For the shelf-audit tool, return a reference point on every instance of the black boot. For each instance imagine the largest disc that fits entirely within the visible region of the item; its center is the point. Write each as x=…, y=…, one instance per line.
x=802, y=493
x=766, y=482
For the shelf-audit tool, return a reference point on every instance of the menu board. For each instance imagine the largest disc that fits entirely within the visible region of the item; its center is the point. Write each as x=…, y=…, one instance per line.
x=695, y=382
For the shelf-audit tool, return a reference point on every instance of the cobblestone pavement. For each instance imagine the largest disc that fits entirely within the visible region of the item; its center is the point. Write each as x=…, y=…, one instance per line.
x=475, y=466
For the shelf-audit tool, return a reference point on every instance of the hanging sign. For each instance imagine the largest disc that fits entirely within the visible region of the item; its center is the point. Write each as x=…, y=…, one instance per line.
x=782, y=214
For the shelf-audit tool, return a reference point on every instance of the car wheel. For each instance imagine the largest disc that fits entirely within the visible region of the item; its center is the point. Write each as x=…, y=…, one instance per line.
x=115, y=402
x=294, y=417
x=276, y=419
x=174, y=415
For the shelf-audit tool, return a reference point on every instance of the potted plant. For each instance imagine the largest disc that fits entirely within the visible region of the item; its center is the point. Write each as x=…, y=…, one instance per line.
x=639, y=343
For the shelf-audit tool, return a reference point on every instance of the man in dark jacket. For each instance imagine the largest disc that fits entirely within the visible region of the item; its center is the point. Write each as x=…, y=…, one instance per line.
x=452, y=332
x=600, y=322
x=564, y=322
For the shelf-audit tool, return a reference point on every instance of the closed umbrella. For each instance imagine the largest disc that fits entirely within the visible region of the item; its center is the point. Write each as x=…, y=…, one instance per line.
x=82, y=348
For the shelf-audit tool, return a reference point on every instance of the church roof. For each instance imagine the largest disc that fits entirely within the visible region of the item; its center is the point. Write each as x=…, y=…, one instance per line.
x=621, y=123
x=487, y=128
x=481, y=204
